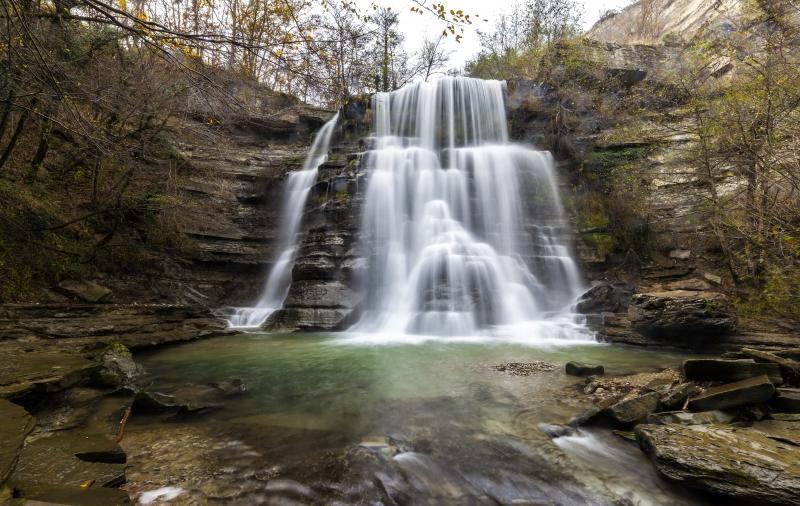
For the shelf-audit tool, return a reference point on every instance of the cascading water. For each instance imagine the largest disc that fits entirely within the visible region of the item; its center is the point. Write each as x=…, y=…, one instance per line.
x=298, y=186
x=445, y=228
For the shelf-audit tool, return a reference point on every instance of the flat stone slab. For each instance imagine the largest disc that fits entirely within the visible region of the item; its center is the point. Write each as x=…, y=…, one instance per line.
x=790, y=369
x=29, y=367
x=71, y=459
x=15, y=425
x=741, y=393
x=52, y=495
x=717, y=369
x=758, y=464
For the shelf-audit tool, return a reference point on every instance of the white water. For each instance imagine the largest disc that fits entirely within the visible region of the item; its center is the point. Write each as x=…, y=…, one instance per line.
x=279, y=280
x=446, y=229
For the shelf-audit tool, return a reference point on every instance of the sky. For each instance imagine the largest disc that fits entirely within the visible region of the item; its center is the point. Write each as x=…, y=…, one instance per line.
x=416, y=27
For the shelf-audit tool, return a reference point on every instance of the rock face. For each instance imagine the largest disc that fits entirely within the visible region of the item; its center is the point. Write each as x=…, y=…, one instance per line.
x=86, y=291
x=683, y=18
x=606, y=298
x=758, y=465
x=683, y=315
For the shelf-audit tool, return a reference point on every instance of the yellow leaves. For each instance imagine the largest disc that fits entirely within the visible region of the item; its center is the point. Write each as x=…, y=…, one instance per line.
x=123, y=4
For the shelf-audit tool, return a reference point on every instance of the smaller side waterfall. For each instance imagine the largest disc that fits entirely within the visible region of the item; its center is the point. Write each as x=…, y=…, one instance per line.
x=279, y=280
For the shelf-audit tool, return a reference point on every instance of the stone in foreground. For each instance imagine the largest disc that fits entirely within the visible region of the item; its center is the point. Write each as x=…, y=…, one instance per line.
x=15, y=424
x=727, y=371
x=741, y=393
x=580, y=369
x=755, y=465
x=787, y=400
x=633, y=410
x=790, y=369
x=68, y=460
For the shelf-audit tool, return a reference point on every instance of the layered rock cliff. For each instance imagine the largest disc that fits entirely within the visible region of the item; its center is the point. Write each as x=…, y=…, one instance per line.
x=652, y=21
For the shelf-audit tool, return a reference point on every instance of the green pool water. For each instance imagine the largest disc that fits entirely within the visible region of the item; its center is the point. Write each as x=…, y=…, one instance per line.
x=428, y=423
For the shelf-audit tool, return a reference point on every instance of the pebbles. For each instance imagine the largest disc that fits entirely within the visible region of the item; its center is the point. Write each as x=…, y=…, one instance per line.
x=524, y=368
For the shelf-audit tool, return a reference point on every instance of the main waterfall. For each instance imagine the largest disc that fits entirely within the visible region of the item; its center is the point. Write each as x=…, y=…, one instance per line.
x=446, y=227
x=279, y=280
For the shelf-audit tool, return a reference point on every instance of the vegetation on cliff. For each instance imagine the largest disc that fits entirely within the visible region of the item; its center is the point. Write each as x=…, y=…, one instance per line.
x=96, y=95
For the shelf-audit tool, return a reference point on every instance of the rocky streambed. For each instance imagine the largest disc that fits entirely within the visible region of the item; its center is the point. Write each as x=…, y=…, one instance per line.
x=101, y=406
x=728, y=426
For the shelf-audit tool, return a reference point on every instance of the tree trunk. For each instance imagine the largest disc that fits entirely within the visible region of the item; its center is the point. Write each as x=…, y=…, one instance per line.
x=17, y=132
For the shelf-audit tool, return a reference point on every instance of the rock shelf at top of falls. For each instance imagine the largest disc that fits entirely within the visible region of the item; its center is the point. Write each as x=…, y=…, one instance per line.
x=442, y=227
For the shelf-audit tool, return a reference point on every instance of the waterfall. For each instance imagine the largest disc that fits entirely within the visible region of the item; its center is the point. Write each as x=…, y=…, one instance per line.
x=447, y=232
x=279, y=280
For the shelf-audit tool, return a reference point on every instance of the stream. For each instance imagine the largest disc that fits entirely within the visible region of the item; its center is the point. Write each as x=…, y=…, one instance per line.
x=327, y=421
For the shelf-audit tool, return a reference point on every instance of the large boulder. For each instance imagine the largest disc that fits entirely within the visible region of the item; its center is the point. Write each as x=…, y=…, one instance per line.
x=605, y=298
x=727, y=371
x=118, y=368
x=732, y=395
x=681, y=315
x=756, y=465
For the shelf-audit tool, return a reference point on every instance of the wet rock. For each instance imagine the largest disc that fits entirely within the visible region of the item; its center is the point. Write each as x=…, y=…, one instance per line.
x=553, y=431
x=682, y=417
x=15, y=425
x=581, y=369
x=231, y=387
x=741, y=393
x=714, y=369
x=605, y=297
x=755, y=465
x=586, y=416
x=118, y=368
x=675, y=397
x=330, y=294
x=633, y=410
x=790, y=369
x=785, y=417
x=186, y=400
x=787, y=400
x=688, y=317
x=154, y=402
x=84, y=290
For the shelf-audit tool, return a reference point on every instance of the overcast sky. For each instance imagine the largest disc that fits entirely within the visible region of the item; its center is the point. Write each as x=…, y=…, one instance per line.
x=416, y=27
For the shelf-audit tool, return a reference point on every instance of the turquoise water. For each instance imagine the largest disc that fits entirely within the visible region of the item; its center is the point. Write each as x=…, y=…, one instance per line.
x=423, y=424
